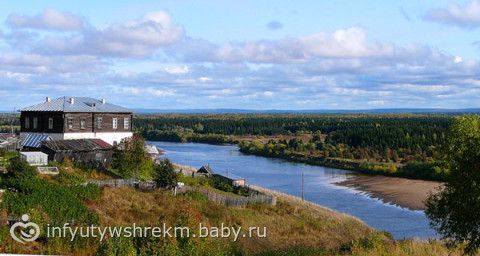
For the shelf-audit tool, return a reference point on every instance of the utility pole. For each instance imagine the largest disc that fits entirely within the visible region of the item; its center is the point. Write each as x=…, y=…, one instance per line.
x=303, y=188
x=11, y=122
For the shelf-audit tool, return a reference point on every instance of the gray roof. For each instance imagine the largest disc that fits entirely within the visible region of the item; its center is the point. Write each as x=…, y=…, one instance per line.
x=80, y=104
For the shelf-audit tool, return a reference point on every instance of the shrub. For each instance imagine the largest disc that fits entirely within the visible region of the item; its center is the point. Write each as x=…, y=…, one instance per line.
x=165, y=175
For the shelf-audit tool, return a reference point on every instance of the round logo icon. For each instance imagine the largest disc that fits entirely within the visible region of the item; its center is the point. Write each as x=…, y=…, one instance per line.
x=24, y=231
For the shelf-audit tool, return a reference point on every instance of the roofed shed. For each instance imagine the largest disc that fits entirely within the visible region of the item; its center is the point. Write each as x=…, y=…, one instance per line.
x=204, y=171
x=86, y=151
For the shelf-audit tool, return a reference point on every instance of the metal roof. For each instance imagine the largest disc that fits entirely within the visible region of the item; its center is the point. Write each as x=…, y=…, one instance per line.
x=33, y=140
x=76, y=145
x=79, y=104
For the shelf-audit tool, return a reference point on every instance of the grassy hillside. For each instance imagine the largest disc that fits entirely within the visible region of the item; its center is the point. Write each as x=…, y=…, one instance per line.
x=293, y=227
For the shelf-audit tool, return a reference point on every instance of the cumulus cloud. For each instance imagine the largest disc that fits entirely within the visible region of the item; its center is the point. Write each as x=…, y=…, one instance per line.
x=344, y=50
x=135, y=38
x=49, y=19
x=343, y=43
x=467, y=16
x=274, y=25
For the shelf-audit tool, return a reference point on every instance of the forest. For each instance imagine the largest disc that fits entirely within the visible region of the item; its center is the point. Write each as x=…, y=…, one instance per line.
x=397, y=145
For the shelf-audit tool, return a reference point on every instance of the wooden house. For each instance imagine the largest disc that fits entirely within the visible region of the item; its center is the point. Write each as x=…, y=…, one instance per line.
x=69, y=118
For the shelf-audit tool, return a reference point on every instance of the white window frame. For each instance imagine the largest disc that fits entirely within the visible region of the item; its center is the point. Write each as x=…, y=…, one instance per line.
x=126, y=123
x=99, y=122
x=27, y=122
x=83, y=123
x=35, y=122
x=114, y=123
x=70, y=123
x=50, y=123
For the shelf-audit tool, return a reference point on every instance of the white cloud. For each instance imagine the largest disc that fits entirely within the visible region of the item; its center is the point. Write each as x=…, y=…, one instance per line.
x=177, y=69
x=134, y=38
x=467, y=15
x=376, y=103
x=346, y=46
x=48, y=19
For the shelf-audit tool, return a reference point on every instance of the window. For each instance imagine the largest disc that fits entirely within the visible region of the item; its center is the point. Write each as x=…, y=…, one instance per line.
x=114, y=123
x=50, y=123
x=35, y=122
x=27, y=122
x=70, y=123
x=82, y=124
x=126, y=123
x=99, y=122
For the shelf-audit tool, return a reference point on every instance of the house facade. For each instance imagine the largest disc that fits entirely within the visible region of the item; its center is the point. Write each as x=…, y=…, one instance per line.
x=68, y=118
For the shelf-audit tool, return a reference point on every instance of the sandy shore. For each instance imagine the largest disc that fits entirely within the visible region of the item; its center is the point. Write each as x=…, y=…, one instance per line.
x=399, y=191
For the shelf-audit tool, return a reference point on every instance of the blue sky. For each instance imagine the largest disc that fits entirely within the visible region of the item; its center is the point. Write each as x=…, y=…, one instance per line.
x=177, y=54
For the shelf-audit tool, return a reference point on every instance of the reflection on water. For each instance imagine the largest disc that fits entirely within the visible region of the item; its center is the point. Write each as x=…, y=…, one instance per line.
x=319, y=188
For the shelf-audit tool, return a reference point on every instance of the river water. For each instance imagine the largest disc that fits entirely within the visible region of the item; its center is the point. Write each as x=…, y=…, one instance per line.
x=285, y=176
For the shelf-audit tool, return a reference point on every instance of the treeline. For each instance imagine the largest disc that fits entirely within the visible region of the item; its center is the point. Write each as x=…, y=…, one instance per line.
x=405, y=145
x=250, y=124
x=382, y=132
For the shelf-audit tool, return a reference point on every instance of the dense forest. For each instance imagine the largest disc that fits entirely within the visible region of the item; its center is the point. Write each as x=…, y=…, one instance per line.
x=399, y=145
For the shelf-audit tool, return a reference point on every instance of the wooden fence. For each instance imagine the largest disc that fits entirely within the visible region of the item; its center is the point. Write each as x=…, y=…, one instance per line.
x=255, y=198
x=117, y=183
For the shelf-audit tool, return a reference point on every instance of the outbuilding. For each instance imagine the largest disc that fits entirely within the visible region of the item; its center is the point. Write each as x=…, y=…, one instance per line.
x=204, y=171
x=86, y=151
x=34, y=158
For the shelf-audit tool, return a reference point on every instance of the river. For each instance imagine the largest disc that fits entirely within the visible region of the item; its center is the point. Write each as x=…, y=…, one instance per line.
x=319, y=185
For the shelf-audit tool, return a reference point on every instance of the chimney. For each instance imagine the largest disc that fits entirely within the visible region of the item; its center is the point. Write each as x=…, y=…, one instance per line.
x=47, y=99
x=103, y=101
x=72, y=100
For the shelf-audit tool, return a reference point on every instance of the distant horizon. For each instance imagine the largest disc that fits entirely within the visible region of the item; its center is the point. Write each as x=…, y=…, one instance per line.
x=299, y=111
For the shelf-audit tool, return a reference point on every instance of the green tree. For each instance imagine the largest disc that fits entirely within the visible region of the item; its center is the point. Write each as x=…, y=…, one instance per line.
x=131, y=160
x=165, y=175
x=455, y=211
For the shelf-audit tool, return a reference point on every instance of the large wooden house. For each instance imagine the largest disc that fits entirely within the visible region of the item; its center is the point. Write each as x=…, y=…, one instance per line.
x=69, y=118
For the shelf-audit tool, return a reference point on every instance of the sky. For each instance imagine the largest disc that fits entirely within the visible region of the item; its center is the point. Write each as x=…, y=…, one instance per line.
x=250, y=54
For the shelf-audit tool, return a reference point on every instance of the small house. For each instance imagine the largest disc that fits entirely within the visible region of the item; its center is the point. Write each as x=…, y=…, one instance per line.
x=204, y=171
x=86, y=151
x=34, y=158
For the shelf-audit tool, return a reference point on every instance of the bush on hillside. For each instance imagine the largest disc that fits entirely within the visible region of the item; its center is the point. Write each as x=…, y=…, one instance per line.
x=165, y=175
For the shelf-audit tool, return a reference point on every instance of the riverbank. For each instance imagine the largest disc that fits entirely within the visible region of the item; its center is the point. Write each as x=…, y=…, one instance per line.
x=403, y=192
x=252, y=145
